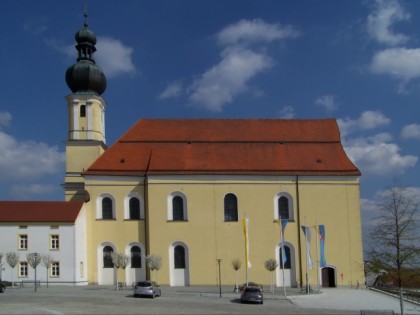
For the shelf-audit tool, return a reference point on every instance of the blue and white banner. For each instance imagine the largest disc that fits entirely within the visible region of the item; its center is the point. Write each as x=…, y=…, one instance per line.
x=322, y=244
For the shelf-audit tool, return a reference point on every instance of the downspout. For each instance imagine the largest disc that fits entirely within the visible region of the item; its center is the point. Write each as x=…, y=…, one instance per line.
x=298, y=229
x=146, y=213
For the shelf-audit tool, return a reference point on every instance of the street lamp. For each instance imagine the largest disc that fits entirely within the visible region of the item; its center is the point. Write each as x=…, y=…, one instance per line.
x=220, y=280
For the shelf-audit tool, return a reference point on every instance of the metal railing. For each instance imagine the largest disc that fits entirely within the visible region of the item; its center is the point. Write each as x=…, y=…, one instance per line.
x=411, y=295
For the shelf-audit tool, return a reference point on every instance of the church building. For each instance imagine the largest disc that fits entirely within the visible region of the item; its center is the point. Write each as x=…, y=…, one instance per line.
x=201, y=193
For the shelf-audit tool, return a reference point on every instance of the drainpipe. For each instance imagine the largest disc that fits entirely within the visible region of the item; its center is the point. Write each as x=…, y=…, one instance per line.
x=146, y=223
x=298, y=229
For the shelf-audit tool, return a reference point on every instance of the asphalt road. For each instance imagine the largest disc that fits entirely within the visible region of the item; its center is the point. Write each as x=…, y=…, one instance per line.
x=59, y=300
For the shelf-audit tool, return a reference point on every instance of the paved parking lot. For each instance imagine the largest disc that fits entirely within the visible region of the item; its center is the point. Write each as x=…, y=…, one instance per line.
x=191, y=300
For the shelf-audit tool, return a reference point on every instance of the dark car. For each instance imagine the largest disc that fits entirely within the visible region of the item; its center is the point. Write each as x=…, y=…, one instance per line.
x=252, y=294
x=146, y=288
x=249, y=284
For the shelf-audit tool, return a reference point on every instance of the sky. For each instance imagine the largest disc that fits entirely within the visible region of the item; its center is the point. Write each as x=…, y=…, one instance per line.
x=355, y=61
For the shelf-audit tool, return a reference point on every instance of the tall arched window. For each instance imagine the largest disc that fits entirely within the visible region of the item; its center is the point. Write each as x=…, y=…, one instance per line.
x=177, y=208
x=283, y=208
x=135, y=257
x=288, y=262
x=83, y=111
x=231, y=207
x=134, y=205
x=108, y=257
x=107, y=208
x=179, y=257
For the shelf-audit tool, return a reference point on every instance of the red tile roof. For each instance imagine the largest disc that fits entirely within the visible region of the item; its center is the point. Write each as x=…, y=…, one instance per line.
x=39, y=211
x=227, y=146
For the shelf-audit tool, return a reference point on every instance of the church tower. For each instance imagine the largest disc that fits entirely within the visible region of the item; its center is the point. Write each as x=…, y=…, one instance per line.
x=86, y=114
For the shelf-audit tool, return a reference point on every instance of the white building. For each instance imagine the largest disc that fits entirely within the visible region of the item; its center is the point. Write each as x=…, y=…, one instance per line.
x=57, y=229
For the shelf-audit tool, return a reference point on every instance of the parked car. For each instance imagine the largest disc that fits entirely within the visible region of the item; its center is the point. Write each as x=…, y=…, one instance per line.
x=2, y=287
x=146, y=288
x=252, y=294
x=249, y=284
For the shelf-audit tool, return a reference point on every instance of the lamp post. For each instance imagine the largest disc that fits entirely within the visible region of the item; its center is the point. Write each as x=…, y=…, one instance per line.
x=220, y=280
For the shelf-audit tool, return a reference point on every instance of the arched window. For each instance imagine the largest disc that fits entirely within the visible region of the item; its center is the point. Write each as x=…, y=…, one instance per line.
x=283, y=208
x=177, y=208
x=134, y=205
x=108, y=257
x=179, y=257
x=135, y=257
x=83, y=111
x=231, y=208
x=288, y=262
x=107, y=208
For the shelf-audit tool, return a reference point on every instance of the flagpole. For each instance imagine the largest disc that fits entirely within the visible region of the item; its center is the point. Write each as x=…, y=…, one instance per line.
x=282, y=258
x=317, y=256
x=307, y=258
x=246, y=250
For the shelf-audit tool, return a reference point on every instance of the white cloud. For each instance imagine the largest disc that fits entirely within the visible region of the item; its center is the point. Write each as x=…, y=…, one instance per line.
x=239, y=63
x=375, y=155
x=5, y=119
x=114, y=57
x=28, y=160
x=220, y=84
x=256, y=30
x=172, y=90
x=328, y=102
x=402, y=63
x=287, y=112
x=411, y=132
x=381, y=20
x=368, y=120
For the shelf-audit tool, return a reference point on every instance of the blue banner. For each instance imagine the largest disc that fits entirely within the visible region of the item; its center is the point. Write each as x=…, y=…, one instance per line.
x=322, y=245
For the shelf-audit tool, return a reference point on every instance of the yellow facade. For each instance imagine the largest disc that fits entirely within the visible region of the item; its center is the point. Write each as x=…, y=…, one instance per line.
x=331, y=201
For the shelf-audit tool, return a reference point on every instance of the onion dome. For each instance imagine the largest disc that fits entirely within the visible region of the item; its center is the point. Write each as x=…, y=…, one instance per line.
x=85, y=76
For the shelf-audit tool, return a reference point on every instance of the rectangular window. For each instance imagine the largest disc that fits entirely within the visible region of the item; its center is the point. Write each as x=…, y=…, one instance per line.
x=54, y=242
x=23, y=241
x=55, y=269
x=23, y=269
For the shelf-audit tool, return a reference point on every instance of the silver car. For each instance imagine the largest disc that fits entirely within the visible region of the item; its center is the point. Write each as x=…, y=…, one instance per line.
x=146, y=288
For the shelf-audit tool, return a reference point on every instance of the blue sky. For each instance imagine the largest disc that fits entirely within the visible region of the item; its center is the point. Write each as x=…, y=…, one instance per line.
x=356, y=61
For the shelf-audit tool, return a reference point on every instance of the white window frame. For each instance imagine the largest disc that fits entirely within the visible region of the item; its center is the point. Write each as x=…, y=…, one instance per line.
x=127, y=205
x=99, y=205
x=170, y=208
x=55, y=269
x=23, y=242
x=23, y=266
x=291, y=205
x=54, y=241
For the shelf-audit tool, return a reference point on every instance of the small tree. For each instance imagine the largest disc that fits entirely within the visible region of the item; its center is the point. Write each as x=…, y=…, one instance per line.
x=395, y=235
x=271, y=265
x=120, y=261
x=236, y=264
x=47, y=261
x=33, y=260
x=12, y=259
x=154, y=262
